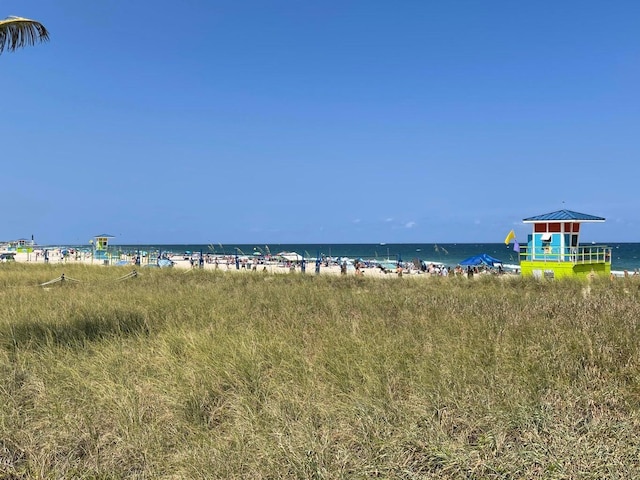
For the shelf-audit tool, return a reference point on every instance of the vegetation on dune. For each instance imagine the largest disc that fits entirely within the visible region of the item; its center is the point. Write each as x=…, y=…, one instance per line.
x=196, y=374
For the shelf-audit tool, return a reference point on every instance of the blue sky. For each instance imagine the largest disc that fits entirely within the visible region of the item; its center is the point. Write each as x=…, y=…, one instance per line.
x=328, y=122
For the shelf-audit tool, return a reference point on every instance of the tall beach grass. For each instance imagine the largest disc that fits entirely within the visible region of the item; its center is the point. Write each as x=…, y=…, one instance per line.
x=201, y=374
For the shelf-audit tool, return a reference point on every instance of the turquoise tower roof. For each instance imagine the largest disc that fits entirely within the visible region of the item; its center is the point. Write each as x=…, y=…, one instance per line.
x=563, y=216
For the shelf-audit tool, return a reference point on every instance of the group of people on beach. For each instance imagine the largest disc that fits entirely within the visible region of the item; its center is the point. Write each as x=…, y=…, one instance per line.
x=431, y=269
x=266, y=263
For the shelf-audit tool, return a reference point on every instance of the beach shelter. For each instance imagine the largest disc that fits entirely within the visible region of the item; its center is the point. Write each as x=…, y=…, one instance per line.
x=554, y=250
x=290, y=256
x=101, y=247
x=101, y=241
x=482, y=259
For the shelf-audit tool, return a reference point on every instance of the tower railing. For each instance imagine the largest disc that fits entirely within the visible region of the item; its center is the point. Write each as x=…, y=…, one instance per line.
x=576, y=255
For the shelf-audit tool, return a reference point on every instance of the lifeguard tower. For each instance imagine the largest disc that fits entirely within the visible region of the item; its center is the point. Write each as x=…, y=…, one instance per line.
x=101, y=247
x=553, y=249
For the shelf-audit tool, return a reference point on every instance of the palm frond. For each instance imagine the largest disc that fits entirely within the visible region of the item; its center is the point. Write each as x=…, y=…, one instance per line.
x=17, y=32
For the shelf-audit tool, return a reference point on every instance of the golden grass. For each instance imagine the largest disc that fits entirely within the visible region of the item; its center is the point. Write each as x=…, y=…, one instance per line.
x=198, y=374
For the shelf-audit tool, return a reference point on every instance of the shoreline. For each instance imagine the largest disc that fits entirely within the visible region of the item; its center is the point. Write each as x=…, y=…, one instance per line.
x=625, y=257
x=270, y=264
x=248, y=264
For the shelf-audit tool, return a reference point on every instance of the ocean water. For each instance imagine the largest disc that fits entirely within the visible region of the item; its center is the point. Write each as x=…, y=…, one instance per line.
x=625, y=256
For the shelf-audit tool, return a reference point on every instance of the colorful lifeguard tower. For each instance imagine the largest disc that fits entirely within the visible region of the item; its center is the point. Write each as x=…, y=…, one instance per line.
x=553, y=249
x=101, y=247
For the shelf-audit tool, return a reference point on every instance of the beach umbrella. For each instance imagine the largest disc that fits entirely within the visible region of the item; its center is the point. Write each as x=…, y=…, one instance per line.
x=482, y=259
x=489, y=260
x=290, y=256
x=471, y=261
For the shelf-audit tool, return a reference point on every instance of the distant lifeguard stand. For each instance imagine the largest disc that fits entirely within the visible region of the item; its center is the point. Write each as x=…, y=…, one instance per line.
x=101, y=247
x=553, y=249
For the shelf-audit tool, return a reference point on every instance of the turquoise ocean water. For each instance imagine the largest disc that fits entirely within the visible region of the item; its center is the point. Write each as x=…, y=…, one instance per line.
x=625, y=256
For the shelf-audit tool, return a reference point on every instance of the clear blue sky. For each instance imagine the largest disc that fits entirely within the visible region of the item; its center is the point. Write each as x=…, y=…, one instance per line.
x=207, y=121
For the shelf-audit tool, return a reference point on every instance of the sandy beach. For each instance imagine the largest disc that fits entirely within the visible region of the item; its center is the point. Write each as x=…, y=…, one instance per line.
x=246, y=264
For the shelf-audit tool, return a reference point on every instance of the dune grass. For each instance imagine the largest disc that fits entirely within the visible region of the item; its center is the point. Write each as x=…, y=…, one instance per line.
x=176, y=374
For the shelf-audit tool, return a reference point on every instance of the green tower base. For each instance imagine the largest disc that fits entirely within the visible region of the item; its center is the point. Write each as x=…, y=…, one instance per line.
x=541, y=269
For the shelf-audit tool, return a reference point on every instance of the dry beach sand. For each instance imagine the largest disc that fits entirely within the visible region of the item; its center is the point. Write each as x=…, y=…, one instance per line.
x=224, y=264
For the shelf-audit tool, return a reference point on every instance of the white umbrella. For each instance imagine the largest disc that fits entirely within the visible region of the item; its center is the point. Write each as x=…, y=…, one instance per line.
x=290, y=256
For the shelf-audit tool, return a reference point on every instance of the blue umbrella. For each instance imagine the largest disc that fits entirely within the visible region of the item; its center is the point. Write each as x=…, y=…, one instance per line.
x=483, y=258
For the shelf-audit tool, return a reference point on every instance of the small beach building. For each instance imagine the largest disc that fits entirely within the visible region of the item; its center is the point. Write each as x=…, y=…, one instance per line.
x=24, y=243
x=553, y=248
x=101, y=246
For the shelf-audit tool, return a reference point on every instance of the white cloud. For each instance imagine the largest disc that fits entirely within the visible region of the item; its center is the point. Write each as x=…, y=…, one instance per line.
x=409, y=224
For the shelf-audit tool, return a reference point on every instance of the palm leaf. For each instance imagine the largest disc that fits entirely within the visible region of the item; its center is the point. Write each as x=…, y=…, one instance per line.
x=17, y=32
